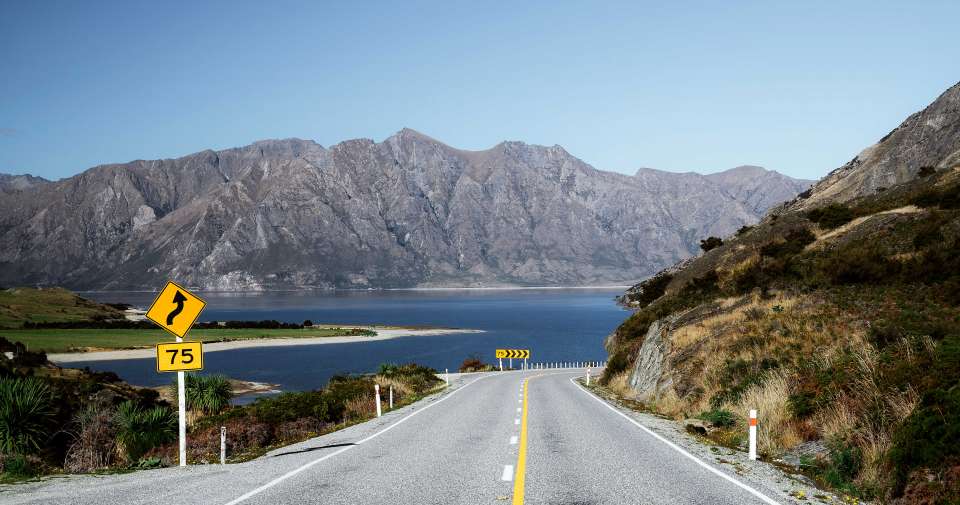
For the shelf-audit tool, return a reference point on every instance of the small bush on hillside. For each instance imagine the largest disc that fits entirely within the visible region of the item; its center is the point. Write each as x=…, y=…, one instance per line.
x=831, y=216
x=737, y=376
x=793, y=243
x=843, y=466
x=719, y=418
x=94, y=446
x=927, y=171
x=26, y=412
x=744, y=229
x=208, y=394
x=651, y=289
x=473, y=364
x=710, y=243
x=946, y=198
x=139, y=430
x=617, y=363
x=858, y=265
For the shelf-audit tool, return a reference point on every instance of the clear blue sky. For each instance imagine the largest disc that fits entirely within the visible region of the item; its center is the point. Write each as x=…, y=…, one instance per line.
x=799, y=87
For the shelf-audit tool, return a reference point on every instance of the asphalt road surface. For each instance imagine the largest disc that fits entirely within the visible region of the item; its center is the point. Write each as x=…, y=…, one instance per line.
x=531, y=437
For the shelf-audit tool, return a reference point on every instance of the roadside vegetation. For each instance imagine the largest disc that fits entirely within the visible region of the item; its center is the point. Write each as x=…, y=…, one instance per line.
x=292, y=417
x=474, y=364
x=840, y=325
x=60, y=420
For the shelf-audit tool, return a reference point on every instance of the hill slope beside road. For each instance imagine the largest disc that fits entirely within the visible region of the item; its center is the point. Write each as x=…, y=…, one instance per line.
x=408, y=211
x=837, y=317
x=461, y=446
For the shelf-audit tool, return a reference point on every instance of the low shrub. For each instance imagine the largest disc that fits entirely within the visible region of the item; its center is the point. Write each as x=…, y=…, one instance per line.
x=719, y=417
x=26, y=414
x=94, y=445
x=710, y=243
x=793, y=243
x=831, y=216
x=139, y=430
x=208, y=394
x=472, y=364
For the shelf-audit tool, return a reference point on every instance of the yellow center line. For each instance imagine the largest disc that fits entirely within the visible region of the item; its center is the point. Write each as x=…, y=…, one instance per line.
x=518, y=480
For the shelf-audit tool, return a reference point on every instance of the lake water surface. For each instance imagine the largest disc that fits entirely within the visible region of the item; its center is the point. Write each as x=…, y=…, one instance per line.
x=556, y=324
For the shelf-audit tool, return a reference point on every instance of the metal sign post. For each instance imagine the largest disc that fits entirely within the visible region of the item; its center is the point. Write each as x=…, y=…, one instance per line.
x=175, y=310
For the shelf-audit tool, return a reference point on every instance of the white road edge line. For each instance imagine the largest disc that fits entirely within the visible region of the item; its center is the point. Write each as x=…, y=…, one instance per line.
x=513, y=440
x=677, y=448
x=295, y=471
x=507, y=473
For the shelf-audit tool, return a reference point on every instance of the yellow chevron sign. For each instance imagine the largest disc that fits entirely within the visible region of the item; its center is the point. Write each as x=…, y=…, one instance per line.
x=513, y=353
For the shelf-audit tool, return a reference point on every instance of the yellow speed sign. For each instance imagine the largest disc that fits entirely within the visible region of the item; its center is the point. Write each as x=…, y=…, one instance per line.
x=179, y=357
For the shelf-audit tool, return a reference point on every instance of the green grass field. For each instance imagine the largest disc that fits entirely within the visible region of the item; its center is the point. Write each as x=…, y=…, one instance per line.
x=60, y=340
x=18, y=305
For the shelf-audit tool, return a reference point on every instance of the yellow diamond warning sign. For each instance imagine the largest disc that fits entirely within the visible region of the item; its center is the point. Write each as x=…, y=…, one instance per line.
x=175, y=309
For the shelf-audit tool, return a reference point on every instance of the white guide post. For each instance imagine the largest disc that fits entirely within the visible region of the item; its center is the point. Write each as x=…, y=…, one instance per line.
x=588, y=376
x=223, y=445
x=446, y=375
x=753, y=434
x=391, y=397
x=182, y=414
x=376, y=392
x=501, y=364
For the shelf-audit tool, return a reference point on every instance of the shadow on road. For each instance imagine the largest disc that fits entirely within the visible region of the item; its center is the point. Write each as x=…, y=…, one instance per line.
x=311, y=449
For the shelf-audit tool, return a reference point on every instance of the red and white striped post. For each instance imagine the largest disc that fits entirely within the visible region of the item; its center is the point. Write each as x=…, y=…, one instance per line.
x=753, y=434
x=376, y=390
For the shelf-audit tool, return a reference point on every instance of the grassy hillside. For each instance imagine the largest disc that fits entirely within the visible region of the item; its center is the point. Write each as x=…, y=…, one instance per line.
x=20, y=305
x=82, y=339
x=841, y=325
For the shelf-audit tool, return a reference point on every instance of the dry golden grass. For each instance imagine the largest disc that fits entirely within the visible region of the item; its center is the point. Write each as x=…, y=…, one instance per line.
x=775, y=430
x=360, y=408
x=728, y=274
x=399, y=387
x=670, y=405
x=619, y=385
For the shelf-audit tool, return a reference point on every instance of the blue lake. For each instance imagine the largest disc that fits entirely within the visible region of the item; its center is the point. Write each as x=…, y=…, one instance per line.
x=556, y=324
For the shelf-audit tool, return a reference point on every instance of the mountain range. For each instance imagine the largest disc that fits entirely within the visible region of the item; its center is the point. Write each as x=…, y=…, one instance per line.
x=406, y=212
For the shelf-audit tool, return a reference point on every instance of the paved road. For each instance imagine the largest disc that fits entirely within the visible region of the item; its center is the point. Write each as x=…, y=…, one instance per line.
x=516, y=437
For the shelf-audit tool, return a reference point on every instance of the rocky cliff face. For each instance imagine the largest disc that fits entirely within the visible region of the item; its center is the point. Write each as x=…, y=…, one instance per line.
x=929, y=138
x=409, y=211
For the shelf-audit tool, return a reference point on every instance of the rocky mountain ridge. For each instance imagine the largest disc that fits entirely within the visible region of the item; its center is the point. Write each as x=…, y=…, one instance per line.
x=408, y=211
x=929, y=138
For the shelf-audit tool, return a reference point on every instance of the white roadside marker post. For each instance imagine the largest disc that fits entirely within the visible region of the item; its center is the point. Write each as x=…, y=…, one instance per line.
x=753, y=434
x=501, y=364
x=182, y=414
x=446, y=375
x=223, y=445
x=376, y=392
x=391, y=397
x=588, y=376
x=511, y=364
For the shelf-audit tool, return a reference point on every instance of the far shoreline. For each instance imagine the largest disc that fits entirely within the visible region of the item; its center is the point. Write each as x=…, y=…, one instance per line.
x=149, y=352
x=365, y=290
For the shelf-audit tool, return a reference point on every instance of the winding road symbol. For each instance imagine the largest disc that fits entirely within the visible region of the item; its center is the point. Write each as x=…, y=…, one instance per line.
x=178, y=299
x=175, y=309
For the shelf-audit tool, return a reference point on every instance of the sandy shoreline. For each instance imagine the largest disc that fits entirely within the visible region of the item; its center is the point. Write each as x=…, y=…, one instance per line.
x=382, y=334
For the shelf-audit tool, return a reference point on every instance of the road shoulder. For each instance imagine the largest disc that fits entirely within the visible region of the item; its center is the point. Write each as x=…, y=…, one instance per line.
x=775, y=482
